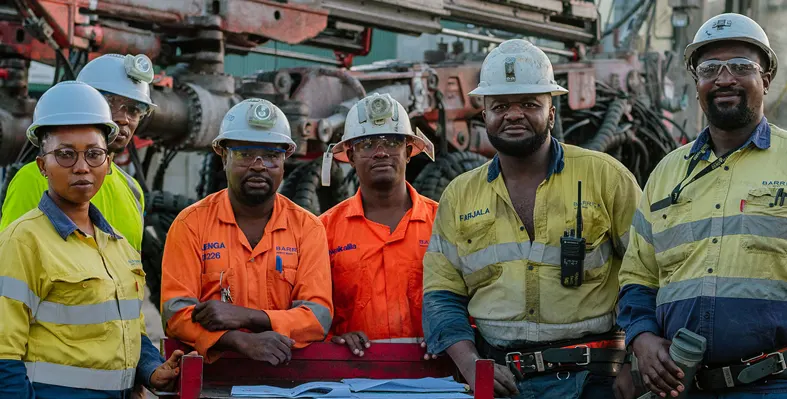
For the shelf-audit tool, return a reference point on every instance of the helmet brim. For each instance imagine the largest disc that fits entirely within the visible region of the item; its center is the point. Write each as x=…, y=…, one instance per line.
x=252, y=137
x=510, y=88
x=71, y=119
x=692, y=49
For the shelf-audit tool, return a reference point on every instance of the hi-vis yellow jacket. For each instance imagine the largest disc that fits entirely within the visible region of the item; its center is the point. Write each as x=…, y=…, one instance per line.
x=70, y=306
x=480, y=254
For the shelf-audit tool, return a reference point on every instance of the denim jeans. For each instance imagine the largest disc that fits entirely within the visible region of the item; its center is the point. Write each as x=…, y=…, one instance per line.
x=579, y=385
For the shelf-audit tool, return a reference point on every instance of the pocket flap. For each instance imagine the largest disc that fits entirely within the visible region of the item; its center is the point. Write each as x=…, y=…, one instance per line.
x=77, y=276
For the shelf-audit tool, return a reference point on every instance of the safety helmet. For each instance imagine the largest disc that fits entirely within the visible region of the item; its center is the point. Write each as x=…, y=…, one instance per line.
x=72, y=103
x=125, y=75
x=517, y=66
x=734, y=27
x=375, y=115
x=255, y=120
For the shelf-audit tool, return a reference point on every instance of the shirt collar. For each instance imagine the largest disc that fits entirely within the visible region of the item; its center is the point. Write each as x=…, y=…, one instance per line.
x=556, y=162
x=419, y=209
x=65, y=226
x=760, y=137
x=278, y=218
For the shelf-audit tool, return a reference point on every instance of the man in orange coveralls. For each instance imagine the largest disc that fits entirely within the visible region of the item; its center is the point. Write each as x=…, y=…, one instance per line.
x=245, y=269
x=378, y=237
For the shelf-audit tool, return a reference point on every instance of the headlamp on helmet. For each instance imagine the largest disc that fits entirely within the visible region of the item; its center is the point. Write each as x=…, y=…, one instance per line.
x=262, y=116
x=380, y=109
x=139, y=67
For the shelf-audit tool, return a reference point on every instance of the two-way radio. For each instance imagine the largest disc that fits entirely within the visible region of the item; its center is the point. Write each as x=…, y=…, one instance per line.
x=572, y=250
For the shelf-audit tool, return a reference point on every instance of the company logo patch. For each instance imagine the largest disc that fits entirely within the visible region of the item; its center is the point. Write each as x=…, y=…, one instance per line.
x=588, y=204
x=423, y=243
x=134, y=262
x=776, y=183
x=286, y=250
x=473, y=214
x=342, y=248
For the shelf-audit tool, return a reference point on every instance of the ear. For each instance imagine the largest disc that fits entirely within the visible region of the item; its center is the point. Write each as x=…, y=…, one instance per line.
x=551, y=120
x=766, y=81
x=483, y=115
x=350, y=156
x=41, y=166
x=408, y=152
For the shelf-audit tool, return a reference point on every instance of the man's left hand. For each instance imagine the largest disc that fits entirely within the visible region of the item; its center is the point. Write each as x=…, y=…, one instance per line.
x=427, y=355
x=216, y=315
x=165, y=376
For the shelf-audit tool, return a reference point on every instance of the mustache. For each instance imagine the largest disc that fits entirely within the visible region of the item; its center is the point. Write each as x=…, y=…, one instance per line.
x=258, y=176
x=726, y=92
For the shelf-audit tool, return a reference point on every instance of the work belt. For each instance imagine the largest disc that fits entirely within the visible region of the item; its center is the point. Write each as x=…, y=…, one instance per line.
x=600, y=354
x=763, y=367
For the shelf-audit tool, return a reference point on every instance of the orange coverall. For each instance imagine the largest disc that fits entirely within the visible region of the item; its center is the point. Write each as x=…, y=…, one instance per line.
x=378, y=275
x=287, y=274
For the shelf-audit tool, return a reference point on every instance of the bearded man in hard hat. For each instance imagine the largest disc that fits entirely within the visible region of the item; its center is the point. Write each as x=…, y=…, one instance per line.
x=377, y=238
x=543, y=303
x=709, y=240
x=245, y=269
x=124, y=82
x=71, y=287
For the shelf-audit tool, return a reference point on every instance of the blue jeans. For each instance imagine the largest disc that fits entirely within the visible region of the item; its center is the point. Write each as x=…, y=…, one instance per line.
x=579, y=385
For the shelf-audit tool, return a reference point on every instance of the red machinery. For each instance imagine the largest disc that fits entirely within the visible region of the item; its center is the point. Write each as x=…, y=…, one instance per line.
x=317, y=362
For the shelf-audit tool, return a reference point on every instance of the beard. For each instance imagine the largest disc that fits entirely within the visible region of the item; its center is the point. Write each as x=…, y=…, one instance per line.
x=520, y=147
x=729, y=118
x=254, y=196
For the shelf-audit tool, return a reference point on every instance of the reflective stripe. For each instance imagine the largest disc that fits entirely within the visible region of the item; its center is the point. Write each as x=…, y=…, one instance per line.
x=501, y=333
x=399, y=340
x=19, y=291
x=643, y=227
x=763, y=226
x=174, y=305
x=322, y=313
x=622, y=244
x=51, y=312
x=78, y=377
x=723, y=287
x=137, y=194
x=511, y=251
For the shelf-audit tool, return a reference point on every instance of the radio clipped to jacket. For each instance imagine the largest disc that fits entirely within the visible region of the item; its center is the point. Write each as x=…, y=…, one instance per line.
x=572, y=250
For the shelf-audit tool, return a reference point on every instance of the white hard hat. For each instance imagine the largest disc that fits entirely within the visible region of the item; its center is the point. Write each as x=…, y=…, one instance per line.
x=255, y=120
x=517, y=66
x=735, y=27
x=375, y=115
x=72, y=103
x=128, y=76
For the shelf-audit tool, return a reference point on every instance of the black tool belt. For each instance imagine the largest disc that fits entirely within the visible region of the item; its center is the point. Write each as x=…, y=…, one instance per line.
x=600, y=354
x=771, y=366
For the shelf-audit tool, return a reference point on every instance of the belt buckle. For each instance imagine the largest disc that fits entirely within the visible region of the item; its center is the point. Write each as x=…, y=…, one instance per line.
x=515, y=357
x=781, y=362
x=586, y=355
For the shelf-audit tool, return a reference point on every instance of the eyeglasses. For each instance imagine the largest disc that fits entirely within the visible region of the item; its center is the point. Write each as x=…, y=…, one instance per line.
x=248, y=155
x=366, y=147
x=68, y=157
x=737, y=67
x=133, y=109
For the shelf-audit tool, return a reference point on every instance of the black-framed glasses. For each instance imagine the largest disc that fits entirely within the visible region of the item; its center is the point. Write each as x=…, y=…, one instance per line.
x=737, y=67
x=67, y=157
x=366, y=147
x=247, y=155
x=133, y=109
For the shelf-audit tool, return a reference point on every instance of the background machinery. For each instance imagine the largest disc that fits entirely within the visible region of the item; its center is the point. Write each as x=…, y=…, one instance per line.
x=620, y=102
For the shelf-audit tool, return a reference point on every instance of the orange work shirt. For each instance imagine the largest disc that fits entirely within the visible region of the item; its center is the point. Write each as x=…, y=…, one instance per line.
x=287, y=274
x=378, y=275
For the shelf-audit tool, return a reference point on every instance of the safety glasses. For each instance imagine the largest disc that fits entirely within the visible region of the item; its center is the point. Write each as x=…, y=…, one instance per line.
x=68, y=157
x=134, y=109
x=737, y=67
x=247, y=155
x=366, y=147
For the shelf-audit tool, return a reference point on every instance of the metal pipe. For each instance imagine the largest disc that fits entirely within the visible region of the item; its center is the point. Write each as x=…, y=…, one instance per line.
x=497, y=40
x=286, y=54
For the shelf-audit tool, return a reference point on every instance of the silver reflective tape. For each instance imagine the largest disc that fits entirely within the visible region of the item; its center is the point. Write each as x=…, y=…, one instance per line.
x=723, y=287
x=643, y=227
x=174, y=305
x=502, y=333
x=79, y=377
x=19, y=291
x=98, y=313
x=622, y=244
x=438, y=244
x=763, y=226
x=536, y=252
x=322, y=313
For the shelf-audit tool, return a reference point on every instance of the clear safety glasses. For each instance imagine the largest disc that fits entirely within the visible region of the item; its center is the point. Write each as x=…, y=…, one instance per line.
x=737, y=67
x=247, y=155
x=366, y=147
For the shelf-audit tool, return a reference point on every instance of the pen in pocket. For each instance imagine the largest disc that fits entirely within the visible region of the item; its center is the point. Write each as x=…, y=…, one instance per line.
x=279, y=265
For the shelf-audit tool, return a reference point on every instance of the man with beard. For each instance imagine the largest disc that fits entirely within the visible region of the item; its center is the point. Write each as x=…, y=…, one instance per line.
x=495, y=253
x=377, y=238
x=708, y=242
x=245, y=269
x=124, y=82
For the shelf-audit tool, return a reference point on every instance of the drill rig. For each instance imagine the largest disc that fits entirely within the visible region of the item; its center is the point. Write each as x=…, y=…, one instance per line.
x=618, y=102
